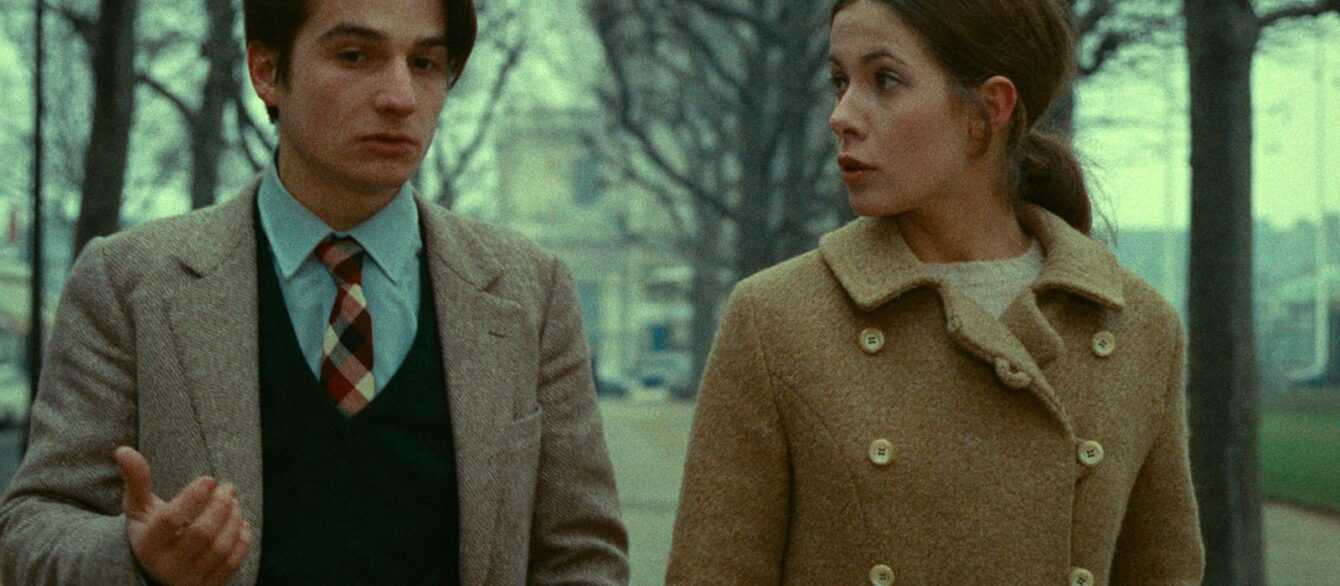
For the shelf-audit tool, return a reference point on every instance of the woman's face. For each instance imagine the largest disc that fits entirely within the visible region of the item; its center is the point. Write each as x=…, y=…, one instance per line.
x=901, y=127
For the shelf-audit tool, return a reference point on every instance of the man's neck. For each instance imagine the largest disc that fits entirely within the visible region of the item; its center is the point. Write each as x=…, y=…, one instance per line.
x=342, y=207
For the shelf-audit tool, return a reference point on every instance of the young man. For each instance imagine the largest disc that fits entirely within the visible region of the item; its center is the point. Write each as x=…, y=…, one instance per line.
x=325, y=379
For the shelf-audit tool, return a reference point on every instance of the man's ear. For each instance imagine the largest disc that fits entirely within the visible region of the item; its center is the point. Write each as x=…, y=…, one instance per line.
x=263, y=65
x=999, y=98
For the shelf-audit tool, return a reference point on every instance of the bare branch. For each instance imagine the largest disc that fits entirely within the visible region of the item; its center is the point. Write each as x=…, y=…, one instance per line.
x=468, y=153
x=1316, y=8
x=187, y=112
x=1108, y=46
x=85, y=26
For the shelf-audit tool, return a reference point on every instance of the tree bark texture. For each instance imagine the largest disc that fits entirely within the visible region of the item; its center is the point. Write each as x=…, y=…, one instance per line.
x=113, y=109
x=1223, y=385
x=222, y=51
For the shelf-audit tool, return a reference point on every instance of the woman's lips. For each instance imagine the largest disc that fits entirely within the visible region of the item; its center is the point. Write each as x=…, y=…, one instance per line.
x=854, y=170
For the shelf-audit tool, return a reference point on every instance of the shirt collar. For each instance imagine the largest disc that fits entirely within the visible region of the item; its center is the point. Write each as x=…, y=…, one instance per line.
x=294, y=231
x=874, y=264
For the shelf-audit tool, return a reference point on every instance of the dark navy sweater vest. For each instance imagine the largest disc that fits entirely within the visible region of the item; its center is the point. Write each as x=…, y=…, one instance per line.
x=370, y=499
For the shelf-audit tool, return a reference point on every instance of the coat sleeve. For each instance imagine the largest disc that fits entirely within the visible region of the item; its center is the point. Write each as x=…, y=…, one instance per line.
x=61, y=521
x=578, y=537
x=1160, y=539
x=733, y=520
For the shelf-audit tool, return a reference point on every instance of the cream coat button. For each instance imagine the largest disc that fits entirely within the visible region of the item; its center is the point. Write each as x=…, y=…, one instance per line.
x=881, y=452
x=1081, y=577
x=1090, y=453
x=1104, y=344
x=1010, y=374
x=872, y=340
x=881, y=575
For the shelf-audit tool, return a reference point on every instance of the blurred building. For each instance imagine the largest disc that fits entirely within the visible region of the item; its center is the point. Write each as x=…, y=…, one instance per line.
x=553, y=189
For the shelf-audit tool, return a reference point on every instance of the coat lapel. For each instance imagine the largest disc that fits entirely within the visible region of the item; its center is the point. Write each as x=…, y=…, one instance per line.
x=874, y=265
x=214, y=322
x=474, y=327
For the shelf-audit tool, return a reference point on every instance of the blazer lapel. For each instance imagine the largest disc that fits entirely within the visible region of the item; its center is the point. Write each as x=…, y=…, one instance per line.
x=213, y=319
x=474, y=327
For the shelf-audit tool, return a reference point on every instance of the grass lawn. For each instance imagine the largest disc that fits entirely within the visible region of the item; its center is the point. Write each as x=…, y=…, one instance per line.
x=1300, y=452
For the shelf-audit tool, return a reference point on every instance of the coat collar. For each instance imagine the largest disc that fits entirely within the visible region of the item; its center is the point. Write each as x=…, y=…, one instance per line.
x=875, y=266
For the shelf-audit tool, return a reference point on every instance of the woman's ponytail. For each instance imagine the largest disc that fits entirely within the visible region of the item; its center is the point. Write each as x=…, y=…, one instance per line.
x=1050, y=175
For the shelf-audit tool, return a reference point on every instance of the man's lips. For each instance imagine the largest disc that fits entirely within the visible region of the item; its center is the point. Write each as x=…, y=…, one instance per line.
x=391, y=138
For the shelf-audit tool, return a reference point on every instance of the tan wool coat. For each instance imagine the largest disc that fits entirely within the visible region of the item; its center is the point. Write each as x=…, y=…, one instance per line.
x=155, y=346
x=861, y=423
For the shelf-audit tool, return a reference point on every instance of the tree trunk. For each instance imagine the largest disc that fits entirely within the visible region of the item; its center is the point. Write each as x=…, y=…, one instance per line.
x=704, y=293
x=37, y=266
x=113, y=109
x=207, y=144
x=1223, y=385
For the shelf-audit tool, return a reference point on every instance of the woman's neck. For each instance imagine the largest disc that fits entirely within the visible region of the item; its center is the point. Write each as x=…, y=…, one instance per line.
x=964, y=229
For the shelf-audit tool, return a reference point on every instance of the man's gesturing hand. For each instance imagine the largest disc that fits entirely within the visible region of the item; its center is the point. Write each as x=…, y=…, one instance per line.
x=199, y=537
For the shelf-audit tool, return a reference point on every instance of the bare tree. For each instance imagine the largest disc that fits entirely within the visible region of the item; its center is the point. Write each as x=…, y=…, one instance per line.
x=718, y=109
x=113, y=108
x=503, y=40
x=204, y=120
x=1223, y=387
x=1105, y=30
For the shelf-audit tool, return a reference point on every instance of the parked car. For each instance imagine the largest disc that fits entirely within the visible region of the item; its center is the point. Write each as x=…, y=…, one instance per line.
x=670, y=370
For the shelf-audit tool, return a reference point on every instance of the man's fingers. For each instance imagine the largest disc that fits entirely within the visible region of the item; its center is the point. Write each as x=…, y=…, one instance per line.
x=138, y=499
x=225, y=542
x=169, y=521
x=241, y=547
x=196, y=539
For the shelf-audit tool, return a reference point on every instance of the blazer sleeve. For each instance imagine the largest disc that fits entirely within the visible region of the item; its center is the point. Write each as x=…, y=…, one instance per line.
x=732, y=523
x=61, y=521
x=1160, y=540
x=578, y=537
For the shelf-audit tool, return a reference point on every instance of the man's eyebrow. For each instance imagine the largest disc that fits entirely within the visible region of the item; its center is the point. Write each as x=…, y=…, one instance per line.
x=352, y=30
x=369, y=34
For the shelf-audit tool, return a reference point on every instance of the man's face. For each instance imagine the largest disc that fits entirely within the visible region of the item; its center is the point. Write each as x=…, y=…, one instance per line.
x=365, y=87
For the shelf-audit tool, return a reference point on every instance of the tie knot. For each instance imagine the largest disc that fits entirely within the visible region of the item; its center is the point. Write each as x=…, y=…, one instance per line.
x=343, y=257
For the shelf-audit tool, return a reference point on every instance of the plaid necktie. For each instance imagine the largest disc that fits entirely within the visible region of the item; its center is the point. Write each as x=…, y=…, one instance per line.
x=346, y=352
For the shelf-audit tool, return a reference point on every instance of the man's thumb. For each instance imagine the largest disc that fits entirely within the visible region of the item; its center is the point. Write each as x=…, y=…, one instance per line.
x=139, y=497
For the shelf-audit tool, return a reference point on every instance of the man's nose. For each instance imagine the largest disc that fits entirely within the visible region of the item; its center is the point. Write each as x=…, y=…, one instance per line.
x=396, y=94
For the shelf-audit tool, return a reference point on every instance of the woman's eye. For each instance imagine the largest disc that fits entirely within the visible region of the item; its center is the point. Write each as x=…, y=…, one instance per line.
x=887, y=80
x=839, y=83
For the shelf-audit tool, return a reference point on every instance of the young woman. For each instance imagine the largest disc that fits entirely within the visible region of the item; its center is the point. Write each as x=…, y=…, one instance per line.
x=961, y=386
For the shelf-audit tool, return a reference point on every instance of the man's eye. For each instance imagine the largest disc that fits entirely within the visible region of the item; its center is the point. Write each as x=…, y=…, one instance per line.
x=351, y=56
x=425, y=64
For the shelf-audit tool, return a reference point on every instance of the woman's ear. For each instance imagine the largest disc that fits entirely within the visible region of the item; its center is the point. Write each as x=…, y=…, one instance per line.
x=999, y=98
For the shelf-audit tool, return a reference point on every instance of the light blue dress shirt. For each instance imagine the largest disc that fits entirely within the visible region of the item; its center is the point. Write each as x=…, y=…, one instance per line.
x=391, y=272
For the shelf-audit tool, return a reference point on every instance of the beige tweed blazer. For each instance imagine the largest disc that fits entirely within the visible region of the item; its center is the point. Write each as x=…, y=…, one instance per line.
x=861, y=423
x=155, y=346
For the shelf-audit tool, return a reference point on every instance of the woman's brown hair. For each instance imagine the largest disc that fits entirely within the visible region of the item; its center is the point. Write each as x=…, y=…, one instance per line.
x=1032, y=43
